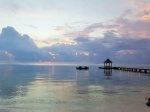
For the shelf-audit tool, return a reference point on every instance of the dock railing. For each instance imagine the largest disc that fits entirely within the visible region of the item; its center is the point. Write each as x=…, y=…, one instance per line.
x=140, y=70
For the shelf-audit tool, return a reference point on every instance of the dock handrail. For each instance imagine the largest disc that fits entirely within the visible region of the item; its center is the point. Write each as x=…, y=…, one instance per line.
x=141, y=70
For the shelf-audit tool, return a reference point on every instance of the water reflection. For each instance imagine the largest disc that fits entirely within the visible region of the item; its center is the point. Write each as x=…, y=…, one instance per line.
x=108, y=73
x=54, y=88
x=82, y=81
x=10, y=81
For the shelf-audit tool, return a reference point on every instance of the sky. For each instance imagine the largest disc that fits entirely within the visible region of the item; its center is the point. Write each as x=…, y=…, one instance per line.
x=70, y=30
x=46, y=19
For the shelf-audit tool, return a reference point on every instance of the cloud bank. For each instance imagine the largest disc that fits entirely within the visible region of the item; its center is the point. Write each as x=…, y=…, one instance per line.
x=17, y=47
x=120, y=49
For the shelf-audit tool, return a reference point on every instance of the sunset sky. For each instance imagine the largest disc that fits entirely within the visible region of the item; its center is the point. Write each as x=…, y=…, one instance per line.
x=76, y=22
x=65, y=19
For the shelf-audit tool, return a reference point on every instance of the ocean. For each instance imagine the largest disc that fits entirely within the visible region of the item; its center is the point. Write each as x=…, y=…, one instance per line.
x=62, y=88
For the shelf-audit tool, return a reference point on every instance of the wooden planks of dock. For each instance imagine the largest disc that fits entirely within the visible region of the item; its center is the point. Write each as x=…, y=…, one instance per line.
x=140, y=70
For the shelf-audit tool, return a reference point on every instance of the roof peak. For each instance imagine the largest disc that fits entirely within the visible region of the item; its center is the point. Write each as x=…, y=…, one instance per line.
x=107, y=61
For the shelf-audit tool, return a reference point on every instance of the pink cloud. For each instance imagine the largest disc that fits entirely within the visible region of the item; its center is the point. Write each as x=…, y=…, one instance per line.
x=63, y=28
x=135, y=28
x=135, y=22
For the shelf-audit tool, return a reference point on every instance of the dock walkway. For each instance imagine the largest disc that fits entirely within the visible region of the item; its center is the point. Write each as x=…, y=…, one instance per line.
x=140, y=70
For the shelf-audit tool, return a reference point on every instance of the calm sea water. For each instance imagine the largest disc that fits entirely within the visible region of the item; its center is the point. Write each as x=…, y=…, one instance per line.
x=58, y=88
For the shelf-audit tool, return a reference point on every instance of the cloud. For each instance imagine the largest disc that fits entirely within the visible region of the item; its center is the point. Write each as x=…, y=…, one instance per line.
x=10, y=37
x=125, y=50
x=125, y=39
x=63, y=28
x=95, y=30
x=99, y=26
x=81, y=39
x=142, y=9
x=5, y=56
x=135, y=28
x=133, y=22
x=19, y=47
x=136, y=21
x=130, y=23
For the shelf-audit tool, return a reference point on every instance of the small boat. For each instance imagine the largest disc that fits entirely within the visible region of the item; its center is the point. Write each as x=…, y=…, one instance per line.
x=82, y=68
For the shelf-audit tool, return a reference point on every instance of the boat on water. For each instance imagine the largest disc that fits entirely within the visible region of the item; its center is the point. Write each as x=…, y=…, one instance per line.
x=82, y=68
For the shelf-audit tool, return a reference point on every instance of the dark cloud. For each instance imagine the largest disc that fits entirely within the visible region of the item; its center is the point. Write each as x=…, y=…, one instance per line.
x=5, y=56
x=19, y=47
x=9, y=32
x=122, y=50
x=10, y=39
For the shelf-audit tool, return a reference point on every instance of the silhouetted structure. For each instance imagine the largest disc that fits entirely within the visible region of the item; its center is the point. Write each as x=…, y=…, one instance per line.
x=108, y=64
x=140, y=70
x=82, y=68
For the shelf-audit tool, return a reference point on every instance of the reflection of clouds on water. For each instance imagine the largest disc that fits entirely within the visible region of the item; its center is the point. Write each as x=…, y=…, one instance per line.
x=86, y=90
x=87, y=78
x=10, y=81
x=82, y=81
x=46, y=88
x=14, y=79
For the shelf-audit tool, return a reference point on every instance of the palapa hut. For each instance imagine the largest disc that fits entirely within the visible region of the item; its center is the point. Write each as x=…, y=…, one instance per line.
x=107, y=63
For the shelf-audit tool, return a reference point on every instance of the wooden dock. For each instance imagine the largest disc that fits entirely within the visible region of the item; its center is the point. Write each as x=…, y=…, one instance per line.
x=140, y=70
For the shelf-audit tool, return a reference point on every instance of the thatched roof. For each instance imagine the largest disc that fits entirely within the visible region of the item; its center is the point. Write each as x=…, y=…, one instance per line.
x=107, y=61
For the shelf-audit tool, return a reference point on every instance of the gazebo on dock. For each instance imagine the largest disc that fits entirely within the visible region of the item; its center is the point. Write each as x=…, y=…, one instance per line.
x=108, y=63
